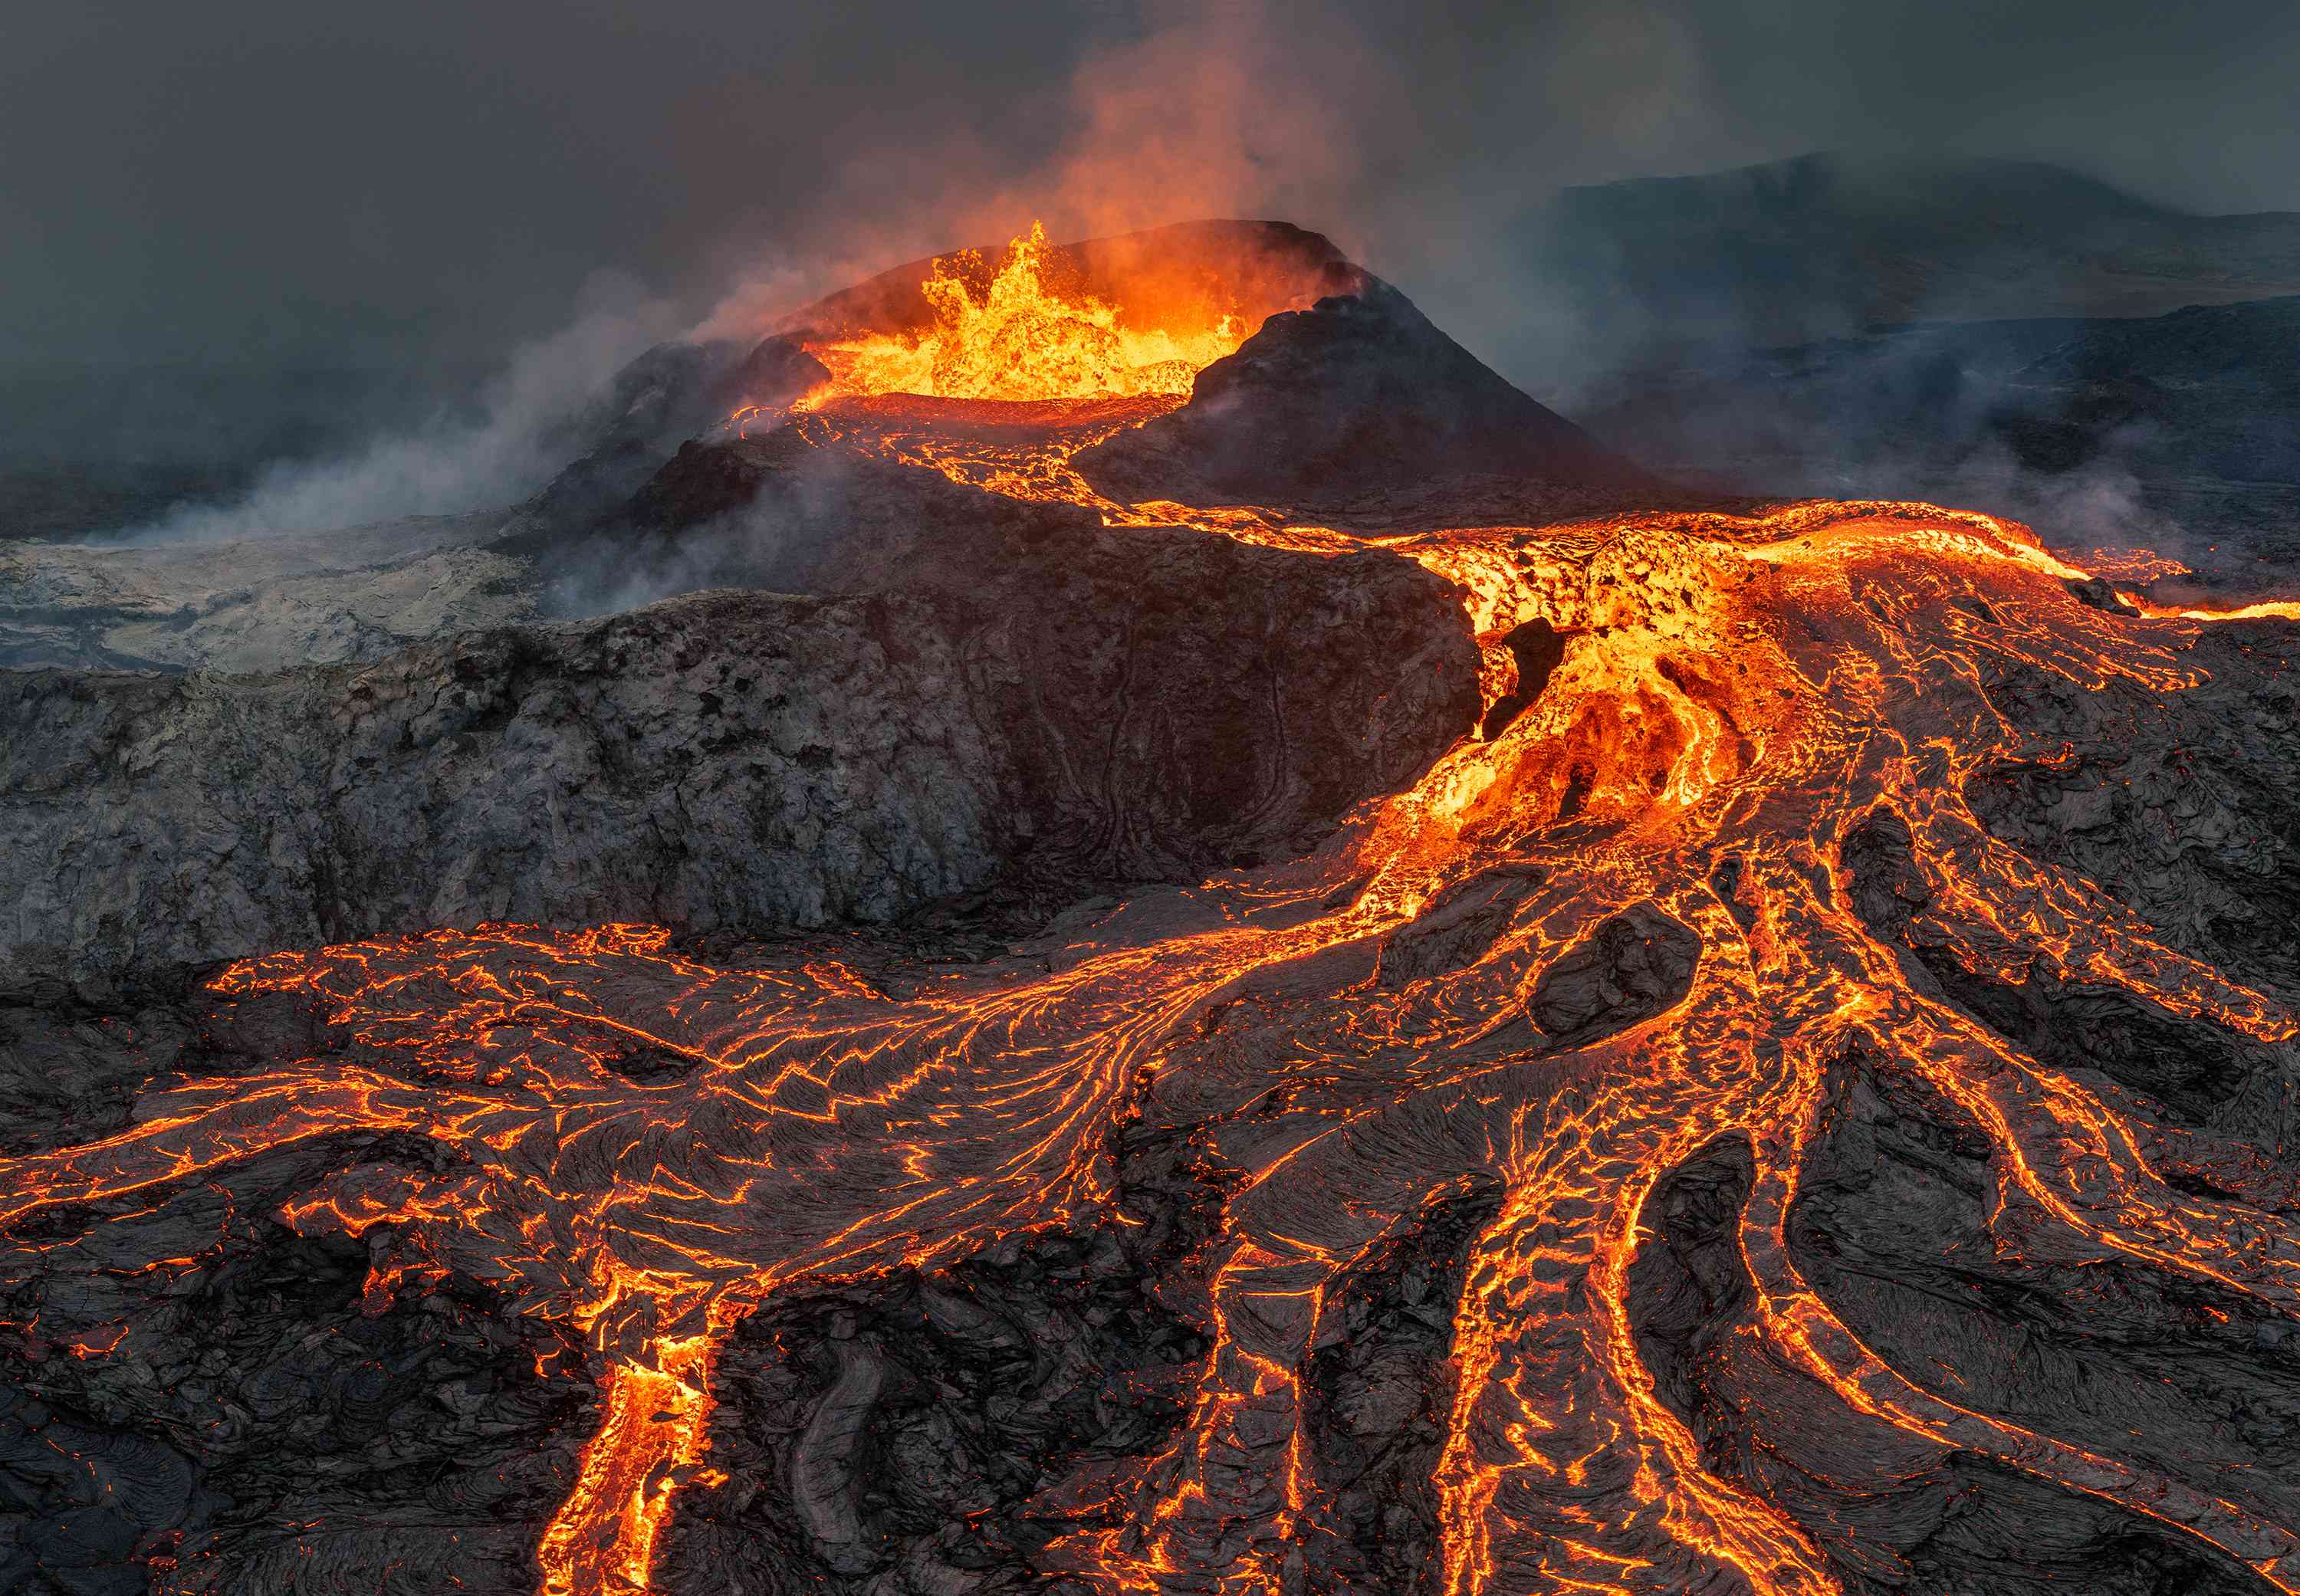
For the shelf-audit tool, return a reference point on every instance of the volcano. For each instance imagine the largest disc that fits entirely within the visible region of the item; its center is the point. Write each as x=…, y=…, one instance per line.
x=1192, y=948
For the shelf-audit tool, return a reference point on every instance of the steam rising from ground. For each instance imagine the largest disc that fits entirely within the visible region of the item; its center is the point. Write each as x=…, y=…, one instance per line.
x=768, y=544
x=1240, y=111
x=1219, y=112
x=527, y=421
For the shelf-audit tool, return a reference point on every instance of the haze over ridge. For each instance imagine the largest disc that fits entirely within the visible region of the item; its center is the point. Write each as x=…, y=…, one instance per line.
x=439, y=183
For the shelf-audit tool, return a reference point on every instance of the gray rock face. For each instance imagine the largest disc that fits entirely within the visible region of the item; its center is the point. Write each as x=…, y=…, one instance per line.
x=512, y=774
x=669, y=395
x=1353, y=398
x=340, y=597
x=2182, y=805
x=1133, y=706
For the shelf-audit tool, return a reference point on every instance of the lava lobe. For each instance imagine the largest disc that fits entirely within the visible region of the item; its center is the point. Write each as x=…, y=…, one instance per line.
x=1357, y=1041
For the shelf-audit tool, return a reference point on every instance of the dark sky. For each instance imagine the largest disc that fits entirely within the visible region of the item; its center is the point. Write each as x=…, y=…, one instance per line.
x=263, y=181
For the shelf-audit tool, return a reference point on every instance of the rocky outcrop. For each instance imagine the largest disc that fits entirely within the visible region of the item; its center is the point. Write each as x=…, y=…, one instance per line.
x=1892, y=1230
x=345, y=596
x=669, y=395
x=1120, y=706
x=1351, y=398
x=2181, y=804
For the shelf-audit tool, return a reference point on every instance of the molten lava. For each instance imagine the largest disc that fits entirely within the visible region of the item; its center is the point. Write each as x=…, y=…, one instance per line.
x=1023, y=337
x=1734, y=698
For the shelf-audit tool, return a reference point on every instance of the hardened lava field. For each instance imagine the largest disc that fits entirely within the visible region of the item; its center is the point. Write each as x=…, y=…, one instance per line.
x=1795, y=1101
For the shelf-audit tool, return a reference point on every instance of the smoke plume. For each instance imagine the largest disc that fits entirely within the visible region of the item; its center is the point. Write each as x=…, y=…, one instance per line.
x=527, y=418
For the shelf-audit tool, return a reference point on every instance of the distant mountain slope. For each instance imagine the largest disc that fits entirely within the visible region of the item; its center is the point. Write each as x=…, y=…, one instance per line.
x=1825, y=244
x=2180, y=429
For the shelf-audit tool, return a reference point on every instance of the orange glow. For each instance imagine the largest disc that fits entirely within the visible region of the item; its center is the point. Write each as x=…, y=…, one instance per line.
x=1740, y=692
x=1723, y=694
x=2135, y=566
x=649, y=1445
x=1022, y=338
x=2264, y=609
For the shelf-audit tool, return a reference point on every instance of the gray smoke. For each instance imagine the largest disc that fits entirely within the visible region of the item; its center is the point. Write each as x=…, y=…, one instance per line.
x=403, y=181
x=528, y=418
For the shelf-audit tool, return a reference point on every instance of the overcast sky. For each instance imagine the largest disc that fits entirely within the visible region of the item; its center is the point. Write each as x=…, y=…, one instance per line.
x=270, y=180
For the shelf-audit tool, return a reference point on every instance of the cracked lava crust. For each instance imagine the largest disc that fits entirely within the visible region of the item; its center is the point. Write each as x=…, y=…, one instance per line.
x=1713, y=880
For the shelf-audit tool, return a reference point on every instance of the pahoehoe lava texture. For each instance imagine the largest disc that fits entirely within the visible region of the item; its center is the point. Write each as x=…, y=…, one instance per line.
x=1131, y=1041
x=945, y=1429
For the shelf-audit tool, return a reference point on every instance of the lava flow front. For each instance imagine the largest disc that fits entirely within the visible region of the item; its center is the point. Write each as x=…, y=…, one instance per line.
x=1620, y=927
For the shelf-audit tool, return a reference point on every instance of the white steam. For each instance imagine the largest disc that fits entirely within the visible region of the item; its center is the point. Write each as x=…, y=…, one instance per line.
x=523, y=434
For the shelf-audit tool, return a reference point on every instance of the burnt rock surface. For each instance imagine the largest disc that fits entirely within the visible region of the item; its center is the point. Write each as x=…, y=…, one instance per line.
x=2182, y=805
x=944, y=1429
x=1360, y=397
x=1092, y=706
x=1379, y=1398
x=215, y=1403
x=672, y=393
x=782, y=513
x=1893, y=1231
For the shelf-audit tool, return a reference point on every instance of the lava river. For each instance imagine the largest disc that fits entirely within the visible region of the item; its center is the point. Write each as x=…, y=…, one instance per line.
x=1730, y=700
x=1659, y=822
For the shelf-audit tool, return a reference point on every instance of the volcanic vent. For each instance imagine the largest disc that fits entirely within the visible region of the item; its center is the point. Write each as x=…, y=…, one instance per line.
x=1367, y=1043
x=1244, y=373
x=1034, y=324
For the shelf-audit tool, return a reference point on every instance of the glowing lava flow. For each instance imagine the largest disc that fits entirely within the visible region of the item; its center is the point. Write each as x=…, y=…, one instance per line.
x=1734, y=700
x=1022, y=338
x=604, y=1534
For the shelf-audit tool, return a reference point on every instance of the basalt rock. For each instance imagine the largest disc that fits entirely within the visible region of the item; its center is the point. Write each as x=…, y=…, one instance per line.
x=782, y=513
x=669, y=395
x=1099, y=707
x=1325, y=408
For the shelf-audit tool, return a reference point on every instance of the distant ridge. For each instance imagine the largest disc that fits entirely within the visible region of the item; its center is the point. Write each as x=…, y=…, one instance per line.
x=1825, y=244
